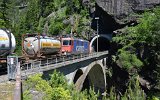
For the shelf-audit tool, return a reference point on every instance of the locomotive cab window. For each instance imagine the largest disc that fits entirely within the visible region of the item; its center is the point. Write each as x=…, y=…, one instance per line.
x=66, y=42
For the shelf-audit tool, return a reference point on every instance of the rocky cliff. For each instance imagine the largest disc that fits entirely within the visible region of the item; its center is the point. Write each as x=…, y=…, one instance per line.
x=115, y=14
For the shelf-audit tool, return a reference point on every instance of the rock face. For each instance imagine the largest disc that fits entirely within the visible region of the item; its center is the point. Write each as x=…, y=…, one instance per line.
x=113, y=14
x=119, y=7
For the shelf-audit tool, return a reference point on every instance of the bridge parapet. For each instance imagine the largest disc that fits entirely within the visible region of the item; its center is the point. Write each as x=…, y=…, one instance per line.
x=40, y=66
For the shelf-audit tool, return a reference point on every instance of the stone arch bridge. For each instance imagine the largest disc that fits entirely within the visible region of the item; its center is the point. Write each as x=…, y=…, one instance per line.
x=84, y=72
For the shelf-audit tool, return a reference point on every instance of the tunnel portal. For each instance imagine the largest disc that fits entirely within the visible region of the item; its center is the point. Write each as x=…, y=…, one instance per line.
x=103, y=43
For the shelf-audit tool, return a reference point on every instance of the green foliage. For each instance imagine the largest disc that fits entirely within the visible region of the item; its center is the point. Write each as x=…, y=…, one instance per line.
x=55, y=27
x=36, y=83
x=76, y=95
x=58, y=80
x=55, y=89
x=84, y=95
x=129, y=60
x=134, y=91
x=141, y=43
x=59, y=4
x=2, y=23
x=27, y=95
x=111, y=95
x=73, y=6
x=154, y=98
x=66, y=13
x=6, y=19
x=147, y=32
x=40, y=25
x=92, y=94
x=32, y=16
x=47, y=7
x=59, y=93
x=68, y=29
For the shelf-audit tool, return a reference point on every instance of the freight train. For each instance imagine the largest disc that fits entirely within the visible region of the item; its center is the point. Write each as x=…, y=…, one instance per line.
x=35, y=45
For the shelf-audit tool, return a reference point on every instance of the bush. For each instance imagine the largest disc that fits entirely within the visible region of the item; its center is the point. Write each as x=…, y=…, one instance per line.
x=55, y=89
x=134, y=91
x=129, y=60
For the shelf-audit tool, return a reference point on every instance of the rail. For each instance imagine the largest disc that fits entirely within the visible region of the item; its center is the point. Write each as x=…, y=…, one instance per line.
x=38, y=66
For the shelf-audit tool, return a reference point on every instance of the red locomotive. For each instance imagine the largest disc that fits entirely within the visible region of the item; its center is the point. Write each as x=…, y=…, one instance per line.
x=72, y=45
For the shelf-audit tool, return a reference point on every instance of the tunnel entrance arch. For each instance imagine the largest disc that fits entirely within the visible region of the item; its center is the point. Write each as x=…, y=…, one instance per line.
x=103, y=42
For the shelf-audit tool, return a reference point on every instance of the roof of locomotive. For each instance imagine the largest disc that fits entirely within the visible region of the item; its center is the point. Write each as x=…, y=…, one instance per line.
x=72, y=38
x=66, y=37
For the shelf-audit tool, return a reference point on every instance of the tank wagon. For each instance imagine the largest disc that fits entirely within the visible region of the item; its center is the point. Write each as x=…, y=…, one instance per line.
x=7, y=43
x=37, y=45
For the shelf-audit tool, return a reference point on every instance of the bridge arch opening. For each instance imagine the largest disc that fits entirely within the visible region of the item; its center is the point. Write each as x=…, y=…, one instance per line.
x=103, y=43
x=79, y=72
x=95, y=78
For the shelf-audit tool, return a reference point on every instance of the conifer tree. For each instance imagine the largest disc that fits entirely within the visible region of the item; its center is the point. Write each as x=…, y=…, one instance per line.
x=4, y=20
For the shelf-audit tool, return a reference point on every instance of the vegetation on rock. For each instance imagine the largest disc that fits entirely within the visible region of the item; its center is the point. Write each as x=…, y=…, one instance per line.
x=141, y=49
